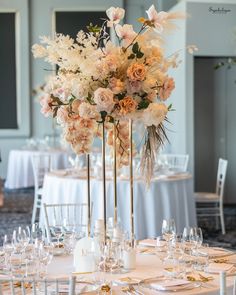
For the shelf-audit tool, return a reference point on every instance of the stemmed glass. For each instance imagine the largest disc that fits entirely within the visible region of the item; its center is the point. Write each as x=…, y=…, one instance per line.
x=168, y=232
x=195, y=236
x=57, y=231
x=23, y=237
x=7, y=249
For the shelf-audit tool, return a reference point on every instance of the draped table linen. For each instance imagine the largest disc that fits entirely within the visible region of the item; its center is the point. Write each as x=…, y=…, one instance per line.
x=170, y=197
x=20, y=169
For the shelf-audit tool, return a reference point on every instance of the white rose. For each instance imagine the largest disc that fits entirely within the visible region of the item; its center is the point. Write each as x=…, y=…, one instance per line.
x=154, y=114
x=103, y=97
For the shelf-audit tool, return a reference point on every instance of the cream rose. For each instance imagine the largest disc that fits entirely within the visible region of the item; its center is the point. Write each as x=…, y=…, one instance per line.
x=136, y=72
x=103, y=97
x=154, y=114
x=88, y=111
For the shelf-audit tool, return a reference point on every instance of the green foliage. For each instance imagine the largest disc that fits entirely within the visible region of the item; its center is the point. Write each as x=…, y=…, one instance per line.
x=90, y=100
x=121, y=95
x=143, y=104
x=137, y=53
x=93, y=29
x=170, y=108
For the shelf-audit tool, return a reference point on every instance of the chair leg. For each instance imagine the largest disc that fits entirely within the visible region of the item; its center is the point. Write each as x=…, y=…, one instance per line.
x=34, y=208
x=217, y=217
x=222, y=220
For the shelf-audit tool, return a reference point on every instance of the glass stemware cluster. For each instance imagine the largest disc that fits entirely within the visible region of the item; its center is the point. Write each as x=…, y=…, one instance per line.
x=26, y=253
x=181, y=253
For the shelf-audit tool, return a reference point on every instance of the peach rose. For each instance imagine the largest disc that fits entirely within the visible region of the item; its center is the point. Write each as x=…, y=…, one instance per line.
x=136, y=72
x=127, y=105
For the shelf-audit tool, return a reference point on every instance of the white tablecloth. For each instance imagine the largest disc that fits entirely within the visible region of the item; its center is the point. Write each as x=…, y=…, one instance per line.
x=166, y=198
x=20, y=170
x=147, y=266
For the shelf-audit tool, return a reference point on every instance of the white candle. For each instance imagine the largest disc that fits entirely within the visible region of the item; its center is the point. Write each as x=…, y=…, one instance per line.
x=129, y=257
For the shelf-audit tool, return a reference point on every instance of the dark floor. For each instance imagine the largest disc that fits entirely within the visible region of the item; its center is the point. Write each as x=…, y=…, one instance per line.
x=18, y=205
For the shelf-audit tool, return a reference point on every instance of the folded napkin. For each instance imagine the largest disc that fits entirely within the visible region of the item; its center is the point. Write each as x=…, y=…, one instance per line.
x=214, y=252
x=148, y=243
x=218, y=267
x=170, y=285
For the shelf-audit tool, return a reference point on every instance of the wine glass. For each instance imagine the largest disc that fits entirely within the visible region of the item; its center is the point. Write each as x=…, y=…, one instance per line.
x=199, y=236
x=7, y=249
x=57, y=231
x=168, y=229
x=23, y=237
x=168, y=232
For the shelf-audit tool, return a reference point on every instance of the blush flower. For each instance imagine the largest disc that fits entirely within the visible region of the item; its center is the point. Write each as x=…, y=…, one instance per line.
x=158, y=19
x=126, y=33
x=62, y=115
x=45, y=102
x=88, y=111
x=115, y=14
x=136, y=72
x=103, y=97
x=134, y=86
x=154, y=114
x=167, y=88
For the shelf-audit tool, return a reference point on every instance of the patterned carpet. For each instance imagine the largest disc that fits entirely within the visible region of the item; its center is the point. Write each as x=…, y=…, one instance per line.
x=18, y=205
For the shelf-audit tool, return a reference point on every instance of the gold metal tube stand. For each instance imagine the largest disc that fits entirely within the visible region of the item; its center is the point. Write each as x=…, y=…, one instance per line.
x=104, y=179
x=114, y=173
x=88, y=195
x=131, y=181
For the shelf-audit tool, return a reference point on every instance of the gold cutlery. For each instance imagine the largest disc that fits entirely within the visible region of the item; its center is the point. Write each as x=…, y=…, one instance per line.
x=201, y=278
x=221, y=260
x=131, y=290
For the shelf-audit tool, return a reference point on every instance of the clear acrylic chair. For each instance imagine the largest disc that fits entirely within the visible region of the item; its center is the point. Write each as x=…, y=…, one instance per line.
x=211, y=204
x=37, y=286
x=73, y=216
x=41, y=165
x=175, y=162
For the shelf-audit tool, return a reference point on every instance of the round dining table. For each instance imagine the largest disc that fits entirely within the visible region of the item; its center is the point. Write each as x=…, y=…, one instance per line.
x=147, y=267
x=20, y=169
x=167, y=197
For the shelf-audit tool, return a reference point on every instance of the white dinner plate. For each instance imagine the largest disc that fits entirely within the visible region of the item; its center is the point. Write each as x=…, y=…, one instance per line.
x=168, y=285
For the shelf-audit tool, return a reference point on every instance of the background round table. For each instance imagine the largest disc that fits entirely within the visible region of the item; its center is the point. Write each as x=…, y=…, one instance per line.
x=169, y=197
x=20, y=169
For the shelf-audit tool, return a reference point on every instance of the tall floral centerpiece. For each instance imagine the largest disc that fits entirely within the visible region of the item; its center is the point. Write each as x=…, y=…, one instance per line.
x=103, y=85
